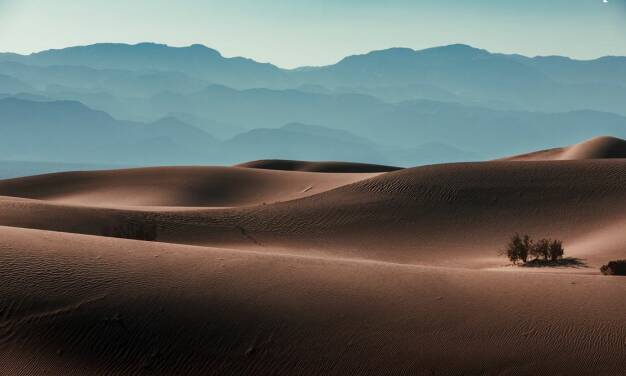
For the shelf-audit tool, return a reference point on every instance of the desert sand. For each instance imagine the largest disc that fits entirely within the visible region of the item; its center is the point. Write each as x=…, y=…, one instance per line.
x=283, y=267
x=604, y=147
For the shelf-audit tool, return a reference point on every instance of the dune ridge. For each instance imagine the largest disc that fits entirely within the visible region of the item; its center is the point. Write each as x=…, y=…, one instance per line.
x=603, y=147
x=342, y=167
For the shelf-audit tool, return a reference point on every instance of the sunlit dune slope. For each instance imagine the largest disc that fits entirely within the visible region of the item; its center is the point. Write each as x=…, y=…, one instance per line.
x=596, y=148
x=175, y=186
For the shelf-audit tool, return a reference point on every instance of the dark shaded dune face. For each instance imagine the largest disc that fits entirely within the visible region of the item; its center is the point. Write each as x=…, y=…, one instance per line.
x=338, y=167
x=174, y=186
x=596, y=148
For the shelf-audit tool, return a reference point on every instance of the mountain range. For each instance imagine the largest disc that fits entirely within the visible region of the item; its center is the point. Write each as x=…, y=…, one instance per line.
x=461, y=72
x=151, y=103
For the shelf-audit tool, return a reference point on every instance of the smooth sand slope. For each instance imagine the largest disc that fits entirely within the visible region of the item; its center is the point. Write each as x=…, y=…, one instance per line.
x=455, y=215
x=253, y=272
x=95, y=305
x=596, y=148
x=175, y=186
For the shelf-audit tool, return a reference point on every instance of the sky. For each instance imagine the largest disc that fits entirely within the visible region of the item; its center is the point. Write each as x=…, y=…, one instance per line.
x=291, y=33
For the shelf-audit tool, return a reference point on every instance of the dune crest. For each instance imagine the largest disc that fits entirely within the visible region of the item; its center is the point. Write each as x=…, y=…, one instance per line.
x=338, y=167
x=604, y=147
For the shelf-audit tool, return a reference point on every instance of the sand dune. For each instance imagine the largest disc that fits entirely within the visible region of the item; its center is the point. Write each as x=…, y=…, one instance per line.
x=454, y=215
x=343, y=167
x=95, y=305
x=174, y=186
x=596, y=148
x=274, y=271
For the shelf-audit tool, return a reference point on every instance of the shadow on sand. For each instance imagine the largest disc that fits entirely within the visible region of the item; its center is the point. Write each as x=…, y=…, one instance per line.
x=567, y=262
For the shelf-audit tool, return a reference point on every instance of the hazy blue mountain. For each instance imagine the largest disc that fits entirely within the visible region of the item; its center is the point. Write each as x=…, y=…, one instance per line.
x=64, y=131
x=488, y=132
x=405, y=92
x=335, y=134
x=220, y=130
x=11, y=85
x=267, y=108
x=27, y=97
x=114, y=91
x=455, y=73
x=122, y=83
x=406, y=134
x=609, y=70
x=301, y=142
x=14, y=169
x=474, y=76
x=429, y=153
x=196, y=60
x=396, y=106
x=456, y=68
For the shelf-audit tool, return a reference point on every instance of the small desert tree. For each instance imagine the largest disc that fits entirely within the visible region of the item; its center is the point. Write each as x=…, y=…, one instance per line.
x=518, y=248
x=541, y=249
x=556, y=250
x=527, y=246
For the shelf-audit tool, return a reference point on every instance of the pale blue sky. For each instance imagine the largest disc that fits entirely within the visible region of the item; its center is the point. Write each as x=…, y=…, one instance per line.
x=291, y=33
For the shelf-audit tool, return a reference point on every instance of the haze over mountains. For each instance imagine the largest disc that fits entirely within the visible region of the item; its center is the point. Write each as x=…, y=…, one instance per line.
x=150, y=103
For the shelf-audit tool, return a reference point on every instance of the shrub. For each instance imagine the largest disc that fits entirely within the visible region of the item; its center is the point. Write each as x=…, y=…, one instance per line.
x=527, y=246
x=556, y=250
x=614, y=268
x=541, y=249
x=518, y=248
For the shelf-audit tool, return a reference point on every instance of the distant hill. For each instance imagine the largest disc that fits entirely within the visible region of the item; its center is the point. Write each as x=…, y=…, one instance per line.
x=441, y=104
x=65, y=131
x=610, y=70
x=485, y=132
x=455, y=73
x=121, y=83
x=430, y=153
x=196, y=60
x=13, y=169
x=302, y=142
x=10, y=85
x=474, y=76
